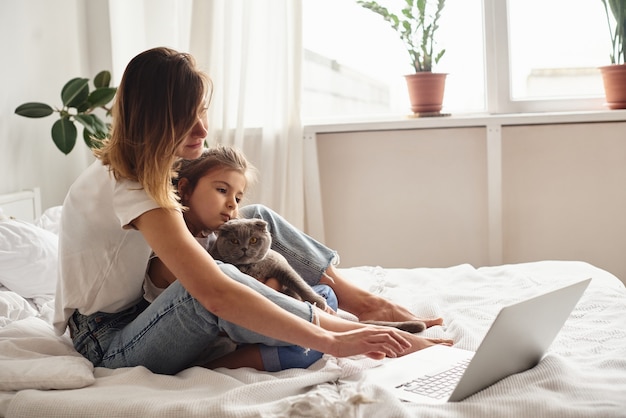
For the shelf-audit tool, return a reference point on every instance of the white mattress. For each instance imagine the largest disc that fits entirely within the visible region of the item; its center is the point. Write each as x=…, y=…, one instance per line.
x=583, y=374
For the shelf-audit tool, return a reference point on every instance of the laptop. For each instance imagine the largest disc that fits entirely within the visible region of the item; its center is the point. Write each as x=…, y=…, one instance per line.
x=516, y=342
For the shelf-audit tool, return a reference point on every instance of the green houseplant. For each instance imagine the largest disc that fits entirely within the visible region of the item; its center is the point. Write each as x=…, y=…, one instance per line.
x=417, y=25
x=79, y=103
x=614, y=75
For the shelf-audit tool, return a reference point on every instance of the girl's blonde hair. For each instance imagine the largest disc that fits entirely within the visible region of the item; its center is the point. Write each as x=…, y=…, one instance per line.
x=216, y=157
x=158, y=102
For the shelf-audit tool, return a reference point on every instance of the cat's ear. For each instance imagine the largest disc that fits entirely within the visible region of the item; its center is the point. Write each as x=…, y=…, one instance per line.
x=260, y=224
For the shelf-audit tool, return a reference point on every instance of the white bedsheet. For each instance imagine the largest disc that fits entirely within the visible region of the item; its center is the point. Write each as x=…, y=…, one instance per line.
x=583, y=374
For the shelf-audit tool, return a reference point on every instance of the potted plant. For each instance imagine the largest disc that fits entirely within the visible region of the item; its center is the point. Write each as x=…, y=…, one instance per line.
x=614, y=75
x=417, y=25
x=79, y=104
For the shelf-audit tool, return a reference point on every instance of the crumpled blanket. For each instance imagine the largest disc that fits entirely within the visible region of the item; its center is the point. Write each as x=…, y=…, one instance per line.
x=582, y=375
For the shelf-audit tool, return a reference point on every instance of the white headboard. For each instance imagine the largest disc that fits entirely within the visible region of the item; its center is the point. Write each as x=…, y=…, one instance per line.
x=24, y=205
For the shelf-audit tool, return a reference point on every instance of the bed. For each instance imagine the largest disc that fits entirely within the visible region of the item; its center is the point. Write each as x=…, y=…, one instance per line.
x=583, y=374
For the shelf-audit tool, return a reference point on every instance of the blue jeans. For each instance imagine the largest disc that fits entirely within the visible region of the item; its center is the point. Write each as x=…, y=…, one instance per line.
x=168, y=335
x=293, y=356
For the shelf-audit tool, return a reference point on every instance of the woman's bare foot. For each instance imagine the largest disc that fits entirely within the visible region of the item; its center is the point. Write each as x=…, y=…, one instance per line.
x=383, y=310
x=367, y=306
x=408, y=326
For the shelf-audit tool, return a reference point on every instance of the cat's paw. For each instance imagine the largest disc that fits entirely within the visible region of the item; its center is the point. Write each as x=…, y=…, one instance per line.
x=323, y=306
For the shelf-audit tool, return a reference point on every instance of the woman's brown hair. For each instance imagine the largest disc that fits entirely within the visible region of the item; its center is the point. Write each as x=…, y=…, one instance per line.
x=158, y=102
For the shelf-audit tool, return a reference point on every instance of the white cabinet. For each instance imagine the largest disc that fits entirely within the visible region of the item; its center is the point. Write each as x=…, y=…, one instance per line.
x=564, y=193
x=437, y=197
x=405, y=198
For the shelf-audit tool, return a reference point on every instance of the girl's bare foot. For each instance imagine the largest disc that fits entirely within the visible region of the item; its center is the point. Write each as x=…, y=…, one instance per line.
x=419, y=343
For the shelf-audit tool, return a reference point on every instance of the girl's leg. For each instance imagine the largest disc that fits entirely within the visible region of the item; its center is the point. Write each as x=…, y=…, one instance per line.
x=171, y=333
x=314, y=262
x=267, y=358
x=271, y=358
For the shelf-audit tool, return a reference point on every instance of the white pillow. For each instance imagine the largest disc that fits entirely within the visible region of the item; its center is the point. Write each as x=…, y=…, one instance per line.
x=50, y=220
x=28, y=258
x=13, y=307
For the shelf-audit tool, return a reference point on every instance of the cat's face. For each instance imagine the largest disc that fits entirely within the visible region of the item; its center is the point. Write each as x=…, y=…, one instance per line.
x=243, y=241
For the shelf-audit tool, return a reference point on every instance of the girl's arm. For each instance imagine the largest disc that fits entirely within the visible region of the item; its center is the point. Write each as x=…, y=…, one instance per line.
x=166, y=233
x=159, y=274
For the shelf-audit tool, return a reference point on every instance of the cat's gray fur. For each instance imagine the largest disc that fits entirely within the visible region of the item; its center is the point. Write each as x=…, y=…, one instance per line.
x=245, y=243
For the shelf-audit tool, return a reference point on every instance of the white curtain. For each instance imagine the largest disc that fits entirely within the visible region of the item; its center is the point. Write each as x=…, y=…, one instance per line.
x=252, y=50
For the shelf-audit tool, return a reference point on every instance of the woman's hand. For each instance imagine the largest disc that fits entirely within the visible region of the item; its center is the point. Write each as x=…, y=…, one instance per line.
x=380, y=342
x=351, y=338
x=374, y=342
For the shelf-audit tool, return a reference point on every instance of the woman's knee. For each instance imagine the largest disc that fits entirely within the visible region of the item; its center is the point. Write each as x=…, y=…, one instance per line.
x=302, y=309
x=255, y=210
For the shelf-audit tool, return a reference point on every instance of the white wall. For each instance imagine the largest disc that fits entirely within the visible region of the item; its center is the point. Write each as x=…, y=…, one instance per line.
x=44, y=44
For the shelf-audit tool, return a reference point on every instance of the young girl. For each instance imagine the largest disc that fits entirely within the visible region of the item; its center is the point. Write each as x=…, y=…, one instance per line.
x=123, y=208
x=211, y=187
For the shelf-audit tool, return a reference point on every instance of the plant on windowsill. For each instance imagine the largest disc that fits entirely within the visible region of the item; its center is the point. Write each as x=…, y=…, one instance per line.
x=78, y=106
x=614, y=75
x=416, y=26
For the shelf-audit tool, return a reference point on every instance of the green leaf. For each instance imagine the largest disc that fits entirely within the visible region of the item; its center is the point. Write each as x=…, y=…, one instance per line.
x=101, y=128
x=87, y=121
x=438, y=57
x=34, y=110
x=75, y=92
x=102, y=79
x=64, y=135
x=89, y=140
x=101, y=96
x=94, y=125
x=83, y=107
x=95, y=130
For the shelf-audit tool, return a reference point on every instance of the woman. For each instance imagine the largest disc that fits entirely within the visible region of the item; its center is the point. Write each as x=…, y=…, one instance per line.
x=123, y=207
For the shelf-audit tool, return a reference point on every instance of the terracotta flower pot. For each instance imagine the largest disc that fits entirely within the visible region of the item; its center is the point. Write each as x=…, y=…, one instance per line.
x=614, y=77
x=426, y=91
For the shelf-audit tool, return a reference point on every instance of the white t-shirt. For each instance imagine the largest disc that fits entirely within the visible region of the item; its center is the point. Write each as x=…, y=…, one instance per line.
x=102, y=259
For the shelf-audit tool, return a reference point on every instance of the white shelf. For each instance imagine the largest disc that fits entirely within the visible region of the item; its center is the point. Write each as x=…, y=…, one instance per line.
x=386, y=123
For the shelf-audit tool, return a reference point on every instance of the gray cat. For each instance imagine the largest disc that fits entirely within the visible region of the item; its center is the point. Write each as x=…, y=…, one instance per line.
x=245, y=243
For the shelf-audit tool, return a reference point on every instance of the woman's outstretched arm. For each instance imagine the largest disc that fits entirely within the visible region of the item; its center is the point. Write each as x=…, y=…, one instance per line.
x=168, y=236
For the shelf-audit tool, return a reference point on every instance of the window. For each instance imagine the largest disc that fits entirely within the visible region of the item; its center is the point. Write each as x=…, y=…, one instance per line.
x=554, y=50
x=543, y=56
x=355, y=63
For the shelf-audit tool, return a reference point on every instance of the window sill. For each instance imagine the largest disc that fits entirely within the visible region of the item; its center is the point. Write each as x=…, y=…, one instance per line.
x=462, y=120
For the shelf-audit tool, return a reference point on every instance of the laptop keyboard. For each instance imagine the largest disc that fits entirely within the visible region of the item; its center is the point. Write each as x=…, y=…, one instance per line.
x=439, y=385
